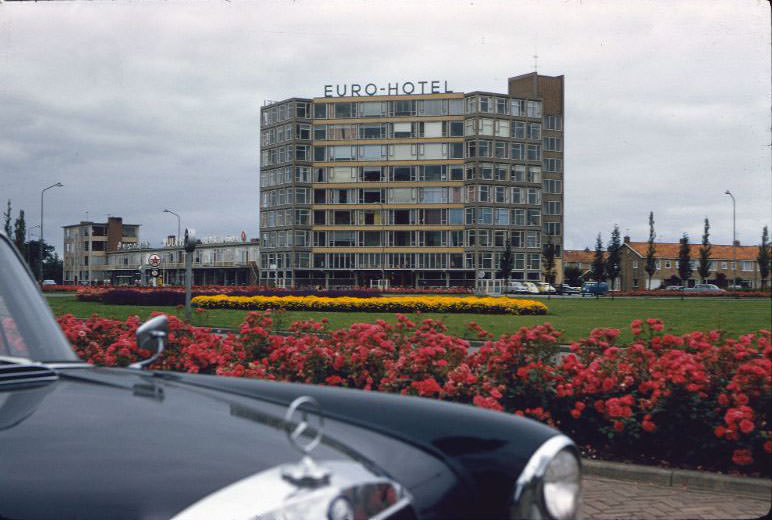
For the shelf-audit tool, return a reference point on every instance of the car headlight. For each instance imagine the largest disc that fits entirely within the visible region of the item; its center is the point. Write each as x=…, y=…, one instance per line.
x=562, y=486
x=550, y=485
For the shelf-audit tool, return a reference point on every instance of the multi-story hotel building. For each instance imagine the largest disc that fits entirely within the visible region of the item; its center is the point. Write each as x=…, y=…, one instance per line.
x=86, y=246
x=422, y=189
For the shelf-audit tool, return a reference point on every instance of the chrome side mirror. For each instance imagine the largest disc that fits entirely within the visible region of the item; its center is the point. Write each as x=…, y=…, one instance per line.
x=152, y=331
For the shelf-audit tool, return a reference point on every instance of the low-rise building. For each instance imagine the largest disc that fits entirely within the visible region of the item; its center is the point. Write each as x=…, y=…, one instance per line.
x=722, y=264
x=86, y=247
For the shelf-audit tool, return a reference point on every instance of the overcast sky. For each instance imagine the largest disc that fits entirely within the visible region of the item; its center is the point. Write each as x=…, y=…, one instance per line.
x=145, y=105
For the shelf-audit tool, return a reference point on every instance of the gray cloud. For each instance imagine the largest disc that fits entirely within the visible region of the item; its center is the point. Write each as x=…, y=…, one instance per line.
x=138, y=106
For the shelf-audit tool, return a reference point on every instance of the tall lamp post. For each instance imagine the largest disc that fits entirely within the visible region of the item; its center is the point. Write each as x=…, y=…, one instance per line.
x=40, y=242
x=734, y=238
x=177, y=239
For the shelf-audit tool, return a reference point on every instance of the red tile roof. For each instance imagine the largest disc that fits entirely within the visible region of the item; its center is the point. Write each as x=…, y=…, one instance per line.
x=578, y=255
x=717, y=251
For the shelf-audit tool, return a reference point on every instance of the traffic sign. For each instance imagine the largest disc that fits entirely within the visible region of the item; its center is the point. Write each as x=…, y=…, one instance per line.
x=154, y=273
x=154, y=261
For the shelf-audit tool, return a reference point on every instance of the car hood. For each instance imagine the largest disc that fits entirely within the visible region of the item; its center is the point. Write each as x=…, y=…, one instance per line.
x=116, y=443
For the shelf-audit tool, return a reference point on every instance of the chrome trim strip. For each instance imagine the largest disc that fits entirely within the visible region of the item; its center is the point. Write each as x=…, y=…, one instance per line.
x=386, y=513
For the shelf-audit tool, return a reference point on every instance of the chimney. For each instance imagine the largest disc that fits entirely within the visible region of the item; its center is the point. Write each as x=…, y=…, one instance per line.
x=736, y=243
x=627, y=239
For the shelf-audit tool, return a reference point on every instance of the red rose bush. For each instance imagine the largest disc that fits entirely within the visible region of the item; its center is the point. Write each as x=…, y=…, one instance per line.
x=700, y=399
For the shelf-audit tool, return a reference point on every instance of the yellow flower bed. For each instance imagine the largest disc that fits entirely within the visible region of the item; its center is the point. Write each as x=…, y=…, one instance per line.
x=472, y=305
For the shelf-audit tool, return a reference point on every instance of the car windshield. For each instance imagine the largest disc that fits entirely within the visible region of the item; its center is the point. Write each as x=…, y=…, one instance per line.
x=27, y=327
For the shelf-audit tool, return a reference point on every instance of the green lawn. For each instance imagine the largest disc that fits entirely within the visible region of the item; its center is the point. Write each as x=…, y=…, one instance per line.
x=575, y=316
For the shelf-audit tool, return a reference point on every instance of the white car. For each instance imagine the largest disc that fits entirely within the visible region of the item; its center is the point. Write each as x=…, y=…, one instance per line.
x=49, y=282
x=531, y=288
x=545, y=288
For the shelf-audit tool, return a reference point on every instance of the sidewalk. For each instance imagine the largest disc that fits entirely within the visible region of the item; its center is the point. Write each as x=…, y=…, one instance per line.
x=639, y=492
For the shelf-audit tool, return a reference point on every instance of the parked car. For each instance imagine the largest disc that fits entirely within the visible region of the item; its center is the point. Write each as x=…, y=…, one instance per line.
x=567, y=289
x=545, y=288
x=594, y=288
x=49, y=282
x=674, y=288
x=88, y=442
x=705, y=287
x=531, y=288
x=516, y=287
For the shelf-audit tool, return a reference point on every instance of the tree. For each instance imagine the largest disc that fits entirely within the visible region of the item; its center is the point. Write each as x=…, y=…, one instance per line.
x=598, y=262
x=651, y=252
x=765, y=252
x=703, y=268
x=684, y=259
x=613, y=259
x=20, y=234
x=7, y=215
x=572, y=275
x=506, y=264
x=50, y=258
x=548, y=261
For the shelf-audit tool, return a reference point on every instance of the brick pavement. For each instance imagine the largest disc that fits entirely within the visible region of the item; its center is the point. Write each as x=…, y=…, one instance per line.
x=606, y=499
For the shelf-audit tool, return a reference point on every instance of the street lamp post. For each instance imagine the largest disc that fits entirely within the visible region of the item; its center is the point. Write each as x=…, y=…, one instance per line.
x=40, y=242
x=177, y=239
x=734, y=238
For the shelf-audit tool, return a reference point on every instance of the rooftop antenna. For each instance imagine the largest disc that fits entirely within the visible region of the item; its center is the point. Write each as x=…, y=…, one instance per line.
x=535, y=62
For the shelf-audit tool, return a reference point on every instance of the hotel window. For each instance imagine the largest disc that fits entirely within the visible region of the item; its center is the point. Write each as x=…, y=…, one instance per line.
x=372, y=152
x=518, y=173
x=371, y=173
x=519, y=262
x=456, y=107
x=502, y=128
x=456, y=172
x=432, y=107
x=532, y=239
x=501, y=172
x=502, y=216
x=534, y=196
x=517, y=196
x=501, y=194
x=320, y=152
x=552, y=207
x=469, y=127
x=471, y=104
x=533, y=217
x=456, y=195
x=434, y=195
x=552, y=144
x=403, y=173
x=404, y=107
x=485, y=127
x=344, y=110
x=518, y=107
x=433, y=172
x=486, y=172
x=484, y=193
x=483, y=238
x=302, y=173
x=485, y=216
x=374, y=131
x=552, y=186
x=518, y=217
x=533, y=109
x=470, y=216
x=484, y=148
x=430, y=129
x=456, y=151
x=552, y=165
x=486, y=106
x=403, y=130
x=456, y=216
x=534, y=131
x=502, y=105
x=501, y=150
x=534, y=152
x=553, y=123
x=499, y=238
x=456, y=128
x=341, y=153
x=301, y=216
x=534, y=174
x=471, y=238
x=534, y=262
x=517, y=152
x=486, y=260
x=518, y=130
x=371, y=109
x=552, y=228
x=304, y=132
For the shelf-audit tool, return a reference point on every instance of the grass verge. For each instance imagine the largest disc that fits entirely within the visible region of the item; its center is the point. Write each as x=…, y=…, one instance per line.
x=575, y=316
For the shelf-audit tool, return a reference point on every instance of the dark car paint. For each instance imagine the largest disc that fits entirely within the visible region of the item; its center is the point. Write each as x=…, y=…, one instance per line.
x=116, y=443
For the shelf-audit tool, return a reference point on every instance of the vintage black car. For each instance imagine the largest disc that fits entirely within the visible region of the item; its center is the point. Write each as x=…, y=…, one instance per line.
x=84, y=442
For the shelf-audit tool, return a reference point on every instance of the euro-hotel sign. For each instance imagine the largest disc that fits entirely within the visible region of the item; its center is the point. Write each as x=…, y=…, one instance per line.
x=391, y=89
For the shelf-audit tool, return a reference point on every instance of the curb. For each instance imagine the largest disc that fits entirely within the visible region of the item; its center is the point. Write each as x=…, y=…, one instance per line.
x=678, y=478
